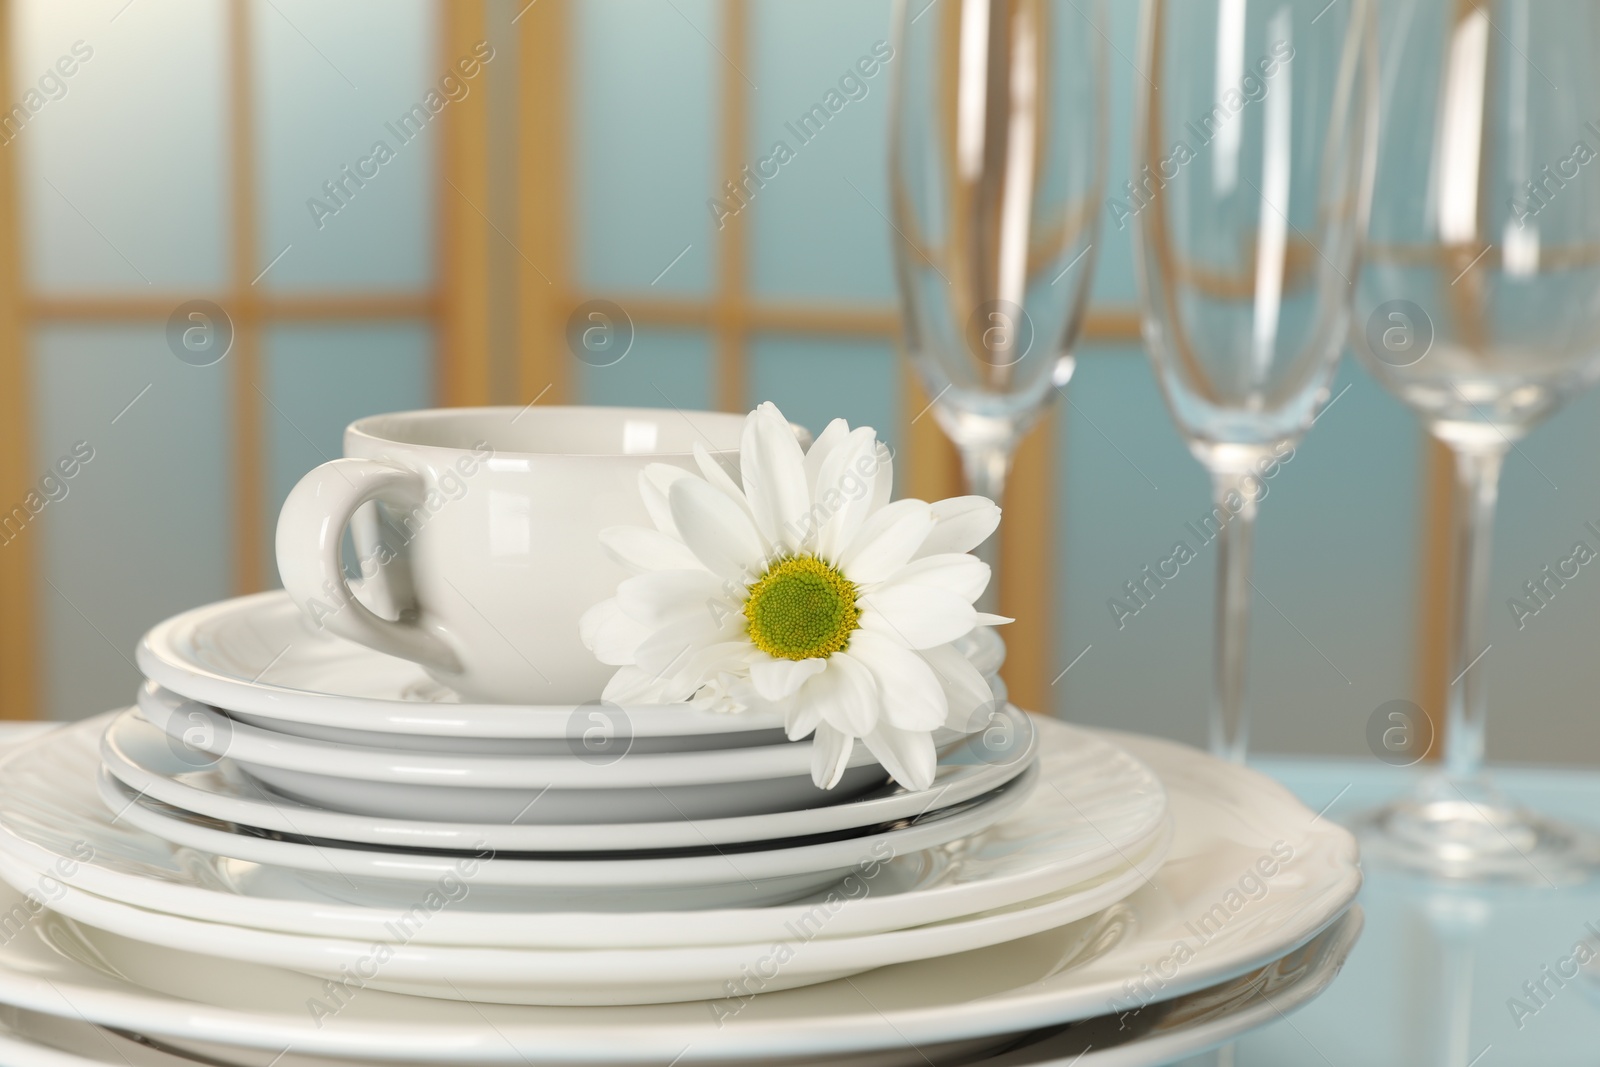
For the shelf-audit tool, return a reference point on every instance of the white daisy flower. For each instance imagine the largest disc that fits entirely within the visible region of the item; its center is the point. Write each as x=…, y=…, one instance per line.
x=799, y=587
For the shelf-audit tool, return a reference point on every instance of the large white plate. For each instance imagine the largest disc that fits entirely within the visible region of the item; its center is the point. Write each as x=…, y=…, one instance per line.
x=403, y=964
x=142, y=758
x=258, y=655
x=1161, y=1033
x=1228, y=822
x=1100, y=809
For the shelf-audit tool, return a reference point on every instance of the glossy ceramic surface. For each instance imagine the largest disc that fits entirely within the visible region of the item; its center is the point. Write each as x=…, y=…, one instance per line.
x=259, y=659
x=259, y=655
x=140, y=756
x=488, y=549
x=1230, y=824
x=759, y=871
x=1097, y=811
x=588, y=977
x=1160, y=1034
x=567, y=788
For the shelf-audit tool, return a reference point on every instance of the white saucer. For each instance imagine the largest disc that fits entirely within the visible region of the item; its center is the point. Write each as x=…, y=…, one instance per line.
x=258, y=656
x=142, y=758
x=462, y=787
x=1162, y=1033
x=1229, y=820
x=1097, y=809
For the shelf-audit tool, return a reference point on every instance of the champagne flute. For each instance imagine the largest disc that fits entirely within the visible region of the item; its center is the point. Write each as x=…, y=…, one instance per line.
x=1479, y=306
x=996, y=171
x=1252, y=168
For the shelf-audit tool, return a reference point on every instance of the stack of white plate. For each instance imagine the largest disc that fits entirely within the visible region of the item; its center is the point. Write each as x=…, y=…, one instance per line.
x=297, y=851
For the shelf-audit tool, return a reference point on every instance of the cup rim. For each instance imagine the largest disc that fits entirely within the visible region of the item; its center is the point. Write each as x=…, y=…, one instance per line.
x=362, y=428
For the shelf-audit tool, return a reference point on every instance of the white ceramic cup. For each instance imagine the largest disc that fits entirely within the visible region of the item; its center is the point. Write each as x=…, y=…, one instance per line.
x=486, y=550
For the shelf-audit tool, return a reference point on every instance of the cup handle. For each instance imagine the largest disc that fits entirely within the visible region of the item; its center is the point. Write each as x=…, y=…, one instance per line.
x=310, y=537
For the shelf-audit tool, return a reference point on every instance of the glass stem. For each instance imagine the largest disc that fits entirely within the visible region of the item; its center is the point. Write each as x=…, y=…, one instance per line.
x=1466, y=700
x=986, y=467
x=1236, y=506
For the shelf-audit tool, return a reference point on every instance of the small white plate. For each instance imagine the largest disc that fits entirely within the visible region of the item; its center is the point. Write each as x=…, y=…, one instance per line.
x=461, y=787
x=1163, y=1033
x=708, y=876
x=1096, y=808
x=1231, y=823
x=259, y=656
x=144, y=759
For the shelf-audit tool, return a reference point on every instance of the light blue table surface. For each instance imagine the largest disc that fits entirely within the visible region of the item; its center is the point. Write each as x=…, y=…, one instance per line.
x=1433, y=979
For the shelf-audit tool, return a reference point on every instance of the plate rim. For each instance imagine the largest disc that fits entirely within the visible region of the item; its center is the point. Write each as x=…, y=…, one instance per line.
x=983, y=811
x=983, y=778
x=930, y=905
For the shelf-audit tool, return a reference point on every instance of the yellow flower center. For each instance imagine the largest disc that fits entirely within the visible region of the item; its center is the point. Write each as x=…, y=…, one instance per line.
x=802, y=608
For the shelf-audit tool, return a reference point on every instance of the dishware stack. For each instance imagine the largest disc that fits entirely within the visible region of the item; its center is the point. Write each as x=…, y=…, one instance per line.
x=331, y=831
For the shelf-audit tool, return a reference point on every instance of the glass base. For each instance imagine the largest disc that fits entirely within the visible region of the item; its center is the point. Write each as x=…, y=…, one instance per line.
x=1468, y=831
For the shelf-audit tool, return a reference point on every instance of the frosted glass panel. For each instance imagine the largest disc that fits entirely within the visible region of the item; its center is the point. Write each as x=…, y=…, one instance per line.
x=645, y=128
x=818, y=127
x=1337, y=575
x=1114, y=279
x=1542, y=669
x=817, y=379
x=321, y=378
x=664, y=368
x=1336, y=555
x=143, y=528
x=121, y=143
x=348, y=99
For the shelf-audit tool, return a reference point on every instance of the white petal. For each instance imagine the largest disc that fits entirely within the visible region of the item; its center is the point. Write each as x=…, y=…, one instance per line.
x=966, y=690
x=887, y=541
x=717, y=530
x=846, y=694
x=983, y=618
x=719, y=473
x=654, y=481
x=671, y=648
x=830, y=755
x=908, y=755
x=917, y=615
x=630, y=685
x=774, y=472
x=719, y=659
x=608, y=632
x=966, y=576
x=776, y=679
x=909, y=691
x=843, y=492
x=662, y=597
x=961, y=524
x=833, y=435
x=640, y=549
x=802, y=718
x=883, y=480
